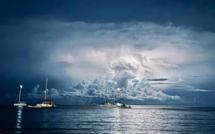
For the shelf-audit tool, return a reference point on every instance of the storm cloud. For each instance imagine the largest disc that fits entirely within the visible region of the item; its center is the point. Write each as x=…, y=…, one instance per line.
x=96, y=59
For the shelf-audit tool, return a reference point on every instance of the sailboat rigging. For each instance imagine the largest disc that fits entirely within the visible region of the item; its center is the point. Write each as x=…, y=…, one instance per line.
x=20, y=103
x=46, y=103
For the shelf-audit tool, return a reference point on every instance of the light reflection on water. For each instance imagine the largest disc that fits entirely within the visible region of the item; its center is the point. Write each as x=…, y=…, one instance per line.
x=19, y=119
x=139, y=119
x=136, y=120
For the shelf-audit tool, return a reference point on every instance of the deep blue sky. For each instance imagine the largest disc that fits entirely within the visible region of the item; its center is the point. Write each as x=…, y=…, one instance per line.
x=196, y=13
x=71, y=41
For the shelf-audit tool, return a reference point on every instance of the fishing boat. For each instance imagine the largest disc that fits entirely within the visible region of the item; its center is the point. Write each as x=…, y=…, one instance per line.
x=121, y=105
x=118, y=103
x=20, y=103
x=47, y=103
x=91, y=103
x=108, y=104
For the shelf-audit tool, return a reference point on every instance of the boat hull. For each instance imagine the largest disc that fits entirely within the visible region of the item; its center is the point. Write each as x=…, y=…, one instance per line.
x=45, y=104
x=121, y=105
x=20, y=105
x=40, y=106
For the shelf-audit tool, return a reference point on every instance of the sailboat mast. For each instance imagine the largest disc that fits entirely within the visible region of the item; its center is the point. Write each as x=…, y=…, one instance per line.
x=46, y=88
x=20, y=91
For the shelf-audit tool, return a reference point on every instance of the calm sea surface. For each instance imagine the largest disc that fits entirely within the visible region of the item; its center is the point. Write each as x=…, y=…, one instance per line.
x=86, y=119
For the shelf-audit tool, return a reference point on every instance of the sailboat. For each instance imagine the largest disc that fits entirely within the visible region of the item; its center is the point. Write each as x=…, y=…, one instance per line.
x=119, y=104
x=46, y=103
x=91, y=103
x=106, y=103
x=20, y=103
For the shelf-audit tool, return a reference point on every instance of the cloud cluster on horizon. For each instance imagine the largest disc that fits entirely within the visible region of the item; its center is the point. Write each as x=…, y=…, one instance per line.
x=142, y=59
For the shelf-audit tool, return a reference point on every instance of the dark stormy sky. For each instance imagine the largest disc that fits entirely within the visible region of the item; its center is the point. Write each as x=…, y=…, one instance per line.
x=142, y=51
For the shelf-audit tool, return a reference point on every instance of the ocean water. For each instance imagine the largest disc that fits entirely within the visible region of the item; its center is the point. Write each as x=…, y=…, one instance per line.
x=86, y=119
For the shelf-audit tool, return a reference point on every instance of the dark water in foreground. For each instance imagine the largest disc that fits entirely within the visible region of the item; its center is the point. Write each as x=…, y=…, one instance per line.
x=85, y=119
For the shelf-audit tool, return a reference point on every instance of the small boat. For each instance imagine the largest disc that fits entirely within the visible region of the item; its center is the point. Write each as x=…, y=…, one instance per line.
x=108, y=104
x=91, y=103
x=121, y=105
x=20, y=103
x=46, y=103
